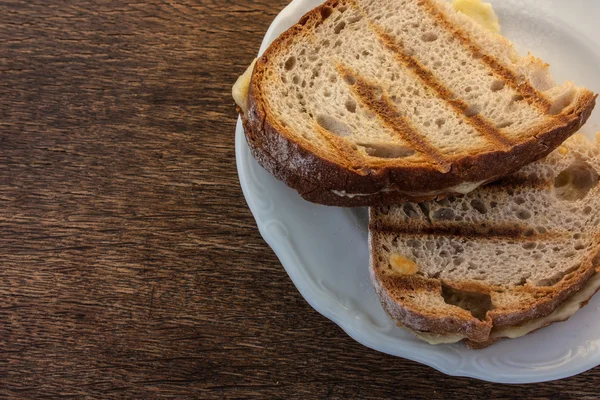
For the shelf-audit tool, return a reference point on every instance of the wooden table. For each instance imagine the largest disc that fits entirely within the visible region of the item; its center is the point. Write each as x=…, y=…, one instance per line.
x=130, y=264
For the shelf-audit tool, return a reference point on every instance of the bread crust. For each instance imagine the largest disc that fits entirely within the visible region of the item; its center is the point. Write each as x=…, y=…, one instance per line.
x=481, y=345
x=316, y=177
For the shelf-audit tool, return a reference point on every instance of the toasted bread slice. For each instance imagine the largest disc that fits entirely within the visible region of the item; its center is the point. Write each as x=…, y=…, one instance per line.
x=499, y=257
x=367, y=102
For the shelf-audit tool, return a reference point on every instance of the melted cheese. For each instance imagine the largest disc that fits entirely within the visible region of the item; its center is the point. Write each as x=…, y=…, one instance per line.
x=480, y=12
x=463, y=188
x=343, y=193
x=241, y=87
x=434, y=339
x=466, y=187
x=562, y=313
x=402, y=265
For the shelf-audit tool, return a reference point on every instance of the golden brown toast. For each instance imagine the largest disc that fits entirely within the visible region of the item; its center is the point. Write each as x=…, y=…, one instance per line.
x=366, y=102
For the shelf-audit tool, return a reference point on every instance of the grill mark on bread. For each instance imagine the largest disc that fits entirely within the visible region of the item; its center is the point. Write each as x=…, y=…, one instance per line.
x=341, y=147
x=480, y=123
x=389, y=115
x=450, y=229
x=525, y=89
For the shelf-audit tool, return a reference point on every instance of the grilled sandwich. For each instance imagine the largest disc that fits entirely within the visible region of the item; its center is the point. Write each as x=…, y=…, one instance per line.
x=501, y=261
x=373, y=102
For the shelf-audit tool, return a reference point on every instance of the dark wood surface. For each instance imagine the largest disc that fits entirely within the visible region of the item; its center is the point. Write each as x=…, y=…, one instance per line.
x=131, y=266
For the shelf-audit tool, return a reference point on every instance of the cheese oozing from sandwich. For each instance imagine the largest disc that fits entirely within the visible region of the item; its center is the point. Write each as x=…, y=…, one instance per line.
x=480, y=12
x=462, y=188
x=241, y=87
x=565, y=311
x=561, y=313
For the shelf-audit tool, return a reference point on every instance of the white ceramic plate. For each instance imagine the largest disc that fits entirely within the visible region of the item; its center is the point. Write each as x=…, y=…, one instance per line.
x=324, y=249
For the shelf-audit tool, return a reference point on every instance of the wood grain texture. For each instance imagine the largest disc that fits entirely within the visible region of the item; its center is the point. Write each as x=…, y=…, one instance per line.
x=130, y=264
